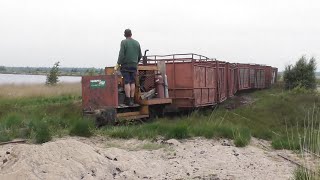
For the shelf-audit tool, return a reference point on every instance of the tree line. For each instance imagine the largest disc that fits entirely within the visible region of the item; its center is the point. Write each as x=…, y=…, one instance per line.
x=63, y=71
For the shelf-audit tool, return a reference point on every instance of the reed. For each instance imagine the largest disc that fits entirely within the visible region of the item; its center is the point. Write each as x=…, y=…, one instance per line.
x=39, y=90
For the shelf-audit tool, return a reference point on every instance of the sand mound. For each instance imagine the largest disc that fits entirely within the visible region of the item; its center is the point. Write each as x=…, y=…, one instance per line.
x=100, y=158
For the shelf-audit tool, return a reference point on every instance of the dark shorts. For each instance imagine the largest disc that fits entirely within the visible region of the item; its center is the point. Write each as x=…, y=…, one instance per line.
x=129, y=74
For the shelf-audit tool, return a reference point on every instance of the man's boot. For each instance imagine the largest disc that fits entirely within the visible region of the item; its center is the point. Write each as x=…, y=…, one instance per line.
x=127, y=101
x=131, y=103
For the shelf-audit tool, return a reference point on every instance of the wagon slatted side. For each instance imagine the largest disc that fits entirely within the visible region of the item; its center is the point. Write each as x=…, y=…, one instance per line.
x=268, y=79
x=232, y=79
x=192, y=79
x=222, y=75
x=243, y=76
x=274, y=75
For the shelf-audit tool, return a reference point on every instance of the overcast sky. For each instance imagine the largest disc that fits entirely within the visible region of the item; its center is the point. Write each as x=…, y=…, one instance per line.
x=87, y=33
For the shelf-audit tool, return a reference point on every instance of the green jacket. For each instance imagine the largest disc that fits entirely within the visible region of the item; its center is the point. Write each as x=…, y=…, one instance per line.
x=130, y=53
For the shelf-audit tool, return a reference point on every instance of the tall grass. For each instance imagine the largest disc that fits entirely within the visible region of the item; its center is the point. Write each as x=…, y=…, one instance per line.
x=309, y=141
x=39, y=90
x=38, y=112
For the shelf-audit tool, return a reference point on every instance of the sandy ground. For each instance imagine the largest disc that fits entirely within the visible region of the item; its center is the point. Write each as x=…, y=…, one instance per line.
x=102, y=158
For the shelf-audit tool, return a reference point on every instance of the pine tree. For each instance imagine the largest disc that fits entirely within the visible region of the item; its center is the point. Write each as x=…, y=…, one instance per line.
x=52, y=77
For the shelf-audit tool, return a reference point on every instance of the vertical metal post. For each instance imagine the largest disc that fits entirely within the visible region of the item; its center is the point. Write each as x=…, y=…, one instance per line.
x=174, y=76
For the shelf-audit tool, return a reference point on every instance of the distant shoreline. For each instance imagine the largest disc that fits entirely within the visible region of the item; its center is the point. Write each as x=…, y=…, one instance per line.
x=40, y=74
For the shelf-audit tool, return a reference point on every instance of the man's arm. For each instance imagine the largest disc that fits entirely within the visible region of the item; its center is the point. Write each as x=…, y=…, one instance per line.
x=121, y=53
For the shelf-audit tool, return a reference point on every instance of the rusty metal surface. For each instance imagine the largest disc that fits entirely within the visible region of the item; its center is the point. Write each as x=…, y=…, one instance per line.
x=243, y=76
x=260, y=77
x=156, y=101
x=222, y=81
x=232, y=79
x=191, y=79
x=95, y=98
x=268, y=79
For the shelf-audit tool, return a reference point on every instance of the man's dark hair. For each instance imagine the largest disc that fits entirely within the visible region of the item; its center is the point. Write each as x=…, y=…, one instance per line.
x=127, y=33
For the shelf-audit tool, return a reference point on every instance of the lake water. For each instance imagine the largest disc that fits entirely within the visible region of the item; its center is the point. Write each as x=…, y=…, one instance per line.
x=34, y=79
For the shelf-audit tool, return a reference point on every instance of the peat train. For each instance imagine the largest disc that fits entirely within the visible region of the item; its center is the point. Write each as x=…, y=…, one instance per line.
x=167, y=83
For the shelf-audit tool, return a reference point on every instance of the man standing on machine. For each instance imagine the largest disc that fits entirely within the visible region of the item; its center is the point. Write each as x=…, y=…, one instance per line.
x=129, y=56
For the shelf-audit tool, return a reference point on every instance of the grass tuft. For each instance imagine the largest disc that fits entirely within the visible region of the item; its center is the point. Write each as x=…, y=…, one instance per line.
x=42, y=132
x=82, y=128
x=4, y=136
x=304, y=174
x=242, y=137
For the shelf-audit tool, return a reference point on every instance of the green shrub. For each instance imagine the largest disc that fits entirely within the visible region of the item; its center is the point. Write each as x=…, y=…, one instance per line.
x=82, y=128
x=301, y=74
x=42, y=132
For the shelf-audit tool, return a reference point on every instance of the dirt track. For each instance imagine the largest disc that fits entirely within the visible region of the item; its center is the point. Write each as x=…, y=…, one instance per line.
x=101, y=158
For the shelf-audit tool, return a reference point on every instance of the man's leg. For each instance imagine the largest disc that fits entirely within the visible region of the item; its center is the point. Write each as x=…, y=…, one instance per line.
x=127, y=90
x=126, y=77
x=132, y=85
x=132, y=90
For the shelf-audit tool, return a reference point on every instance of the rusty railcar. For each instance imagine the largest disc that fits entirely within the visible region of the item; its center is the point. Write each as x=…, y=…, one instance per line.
x=192, y=79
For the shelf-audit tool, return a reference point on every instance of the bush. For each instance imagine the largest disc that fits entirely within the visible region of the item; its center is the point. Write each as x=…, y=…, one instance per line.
x=82, y=128
x=52, y=77
x=42, y=133
x=301, y=74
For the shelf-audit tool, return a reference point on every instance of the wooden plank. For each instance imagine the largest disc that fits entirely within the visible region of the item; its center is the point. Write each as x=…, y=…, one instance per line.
x=147, y=68
x=144, y=110
x=156, y=101
x=135, y=113
x=148, y=94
